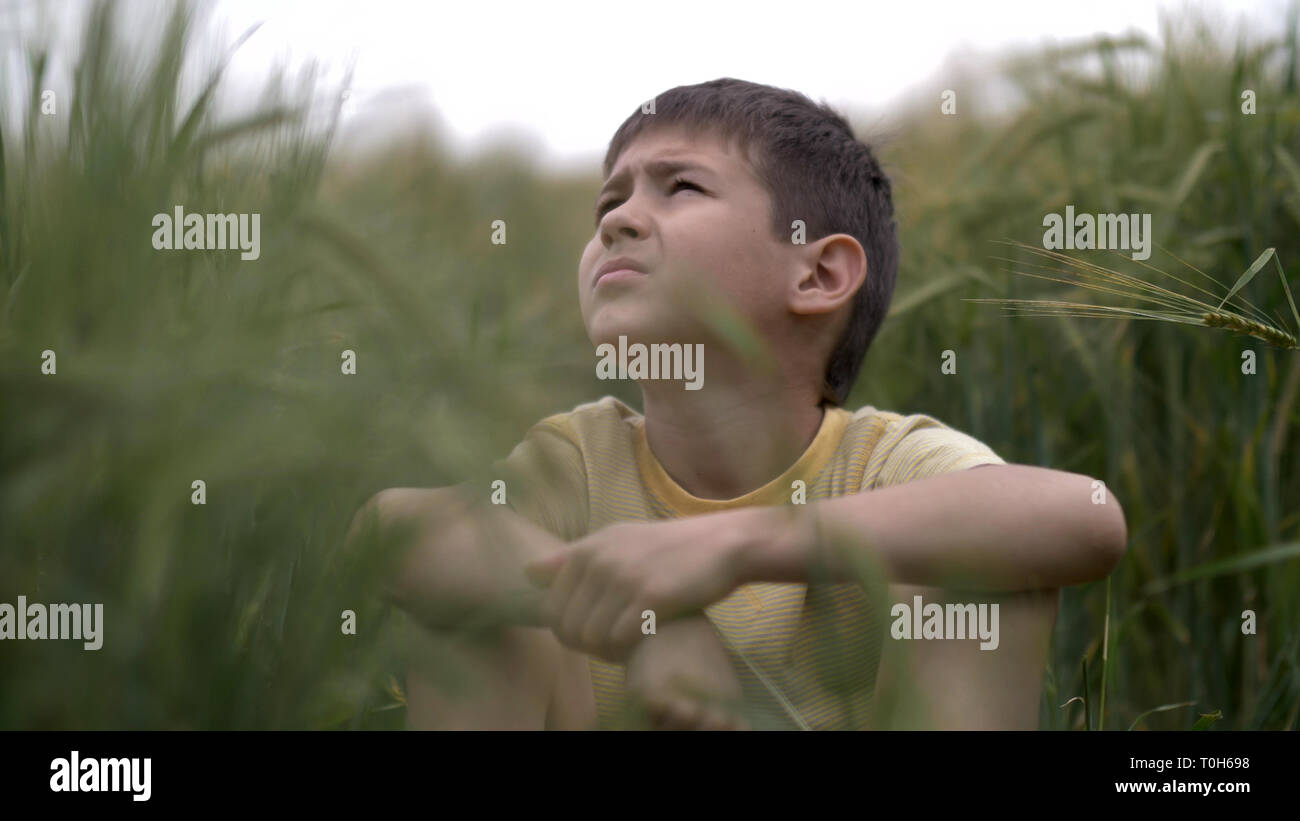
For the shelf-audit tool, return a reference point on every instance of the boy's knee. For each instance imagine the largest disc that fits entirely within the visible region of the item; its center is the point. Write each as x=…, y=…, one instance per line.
x=992, y=682
x=498, y=680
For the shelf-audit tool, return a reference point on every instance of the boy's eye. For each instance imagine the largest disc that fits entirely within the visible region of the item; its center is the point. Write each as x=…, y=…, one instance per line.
x=603, y=207
x=607, y=205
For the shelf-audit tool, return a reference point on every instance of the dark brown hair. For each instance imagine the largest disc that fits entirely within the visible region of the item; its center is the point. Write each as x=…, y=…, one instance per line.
x=814, y=169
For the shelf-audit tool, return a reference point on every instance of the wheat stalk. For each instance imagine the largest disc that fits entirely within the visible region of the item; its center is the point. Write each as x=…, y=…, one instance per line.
x=1162, y=304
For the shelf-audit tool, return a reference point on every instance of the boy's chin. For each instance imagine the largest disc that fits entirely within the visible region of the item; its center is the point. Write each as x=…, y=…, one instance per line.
x=608, y=322
x=634, y=336
x=601, y=333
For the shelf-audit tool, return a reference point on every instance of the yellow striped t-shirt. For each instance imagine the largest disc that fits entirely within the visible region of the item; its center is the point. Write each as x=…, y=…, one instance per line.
x=806, y=654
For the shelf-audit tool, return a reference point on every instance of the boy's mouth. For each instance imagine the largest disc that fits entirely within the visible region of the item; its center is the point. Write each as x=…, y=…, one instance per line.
x=620, y=268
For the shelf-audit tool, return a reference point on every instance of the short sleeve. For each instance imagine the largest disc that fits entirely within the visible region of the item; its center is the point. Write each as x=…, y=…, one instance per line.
x=932, y=449
x=546, y=481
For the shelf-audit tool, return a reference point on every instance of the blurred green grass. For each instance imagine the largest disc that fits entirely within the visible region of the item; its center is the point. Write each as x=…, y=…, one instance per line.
x=177, y=366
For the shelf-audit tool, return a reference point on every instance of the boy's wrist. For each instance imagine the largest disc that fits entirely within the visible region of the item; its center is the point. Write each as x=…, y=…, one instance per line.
x=774, y=544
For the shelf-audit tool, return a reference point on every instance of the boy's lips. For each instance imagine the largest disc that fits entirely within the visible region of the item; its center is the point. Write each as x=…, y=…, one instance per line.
x=618, y=269
x=620, y=274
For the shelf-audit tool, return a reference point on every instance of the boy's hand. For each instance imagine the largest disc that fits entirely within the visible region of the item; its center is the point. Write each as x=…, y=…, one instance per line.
x=602, y=584
x=683, y=679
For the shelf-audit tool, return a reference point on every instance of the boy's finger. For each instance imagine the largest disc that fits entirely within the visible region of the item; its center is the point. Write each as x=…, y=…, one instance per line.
x=716, y=720
x=579, y=597
x=720, y=718
x=543, y=571
x=597, y=632
x=625, y=632
x=679, y=714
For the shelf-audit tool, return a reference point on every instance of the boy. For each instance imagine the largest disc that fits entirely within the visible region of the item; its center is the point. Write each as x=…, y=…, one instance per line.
x=673, y=586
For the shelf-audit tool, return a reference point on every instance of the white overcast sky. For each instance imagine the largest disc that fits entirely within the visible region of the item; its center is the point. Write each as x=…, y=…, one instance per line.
x=567, y=73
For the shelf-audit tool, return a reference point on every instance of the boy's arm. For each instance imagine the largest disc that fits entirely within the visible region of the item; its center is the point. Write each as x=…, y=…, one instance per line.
x=456, y=560
x=997, y=528
x=991, y=527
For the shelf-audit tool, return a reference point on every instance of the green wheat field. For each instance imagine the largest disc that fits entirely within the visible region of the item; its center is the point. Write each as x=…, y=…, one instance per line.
x=175, y=366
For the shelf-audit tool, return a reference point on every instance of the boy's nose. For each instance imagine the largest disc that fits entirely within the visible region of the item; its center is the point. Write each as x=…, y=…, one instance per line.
x=623, y=220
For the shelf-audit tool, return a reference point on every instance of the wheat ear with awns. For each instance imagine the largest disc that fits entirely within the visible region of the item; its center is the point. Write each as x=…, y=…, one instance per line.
x=1153, y=301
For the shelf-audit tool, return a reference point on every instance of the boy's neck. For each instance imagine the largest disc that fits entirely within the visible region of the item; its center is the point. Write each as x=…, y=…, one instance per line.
x=725, y=441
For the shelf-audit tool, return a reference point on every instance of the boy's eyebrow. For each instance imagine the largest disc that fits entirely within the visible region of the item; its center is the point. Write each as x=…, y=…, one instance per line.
x=656, y=168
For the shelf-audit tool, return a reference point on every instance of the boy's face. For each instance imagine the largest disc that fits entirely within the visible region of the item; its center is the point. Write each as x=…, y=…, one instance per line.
x=706, y=223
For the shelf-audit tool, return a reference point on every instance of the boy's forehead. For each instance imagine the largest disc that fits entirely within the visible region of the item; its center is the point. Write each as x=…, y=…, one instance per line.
x=706, y=150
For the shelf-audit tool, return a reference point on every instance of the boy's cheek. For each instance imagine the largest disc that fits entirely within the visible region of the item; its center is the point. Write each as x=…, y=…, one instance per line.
x=584, y=307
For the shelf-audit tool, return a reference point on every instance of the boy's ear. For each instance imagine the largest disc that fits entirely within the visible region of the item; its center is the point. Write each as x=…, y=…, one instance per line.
x=830, y=273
